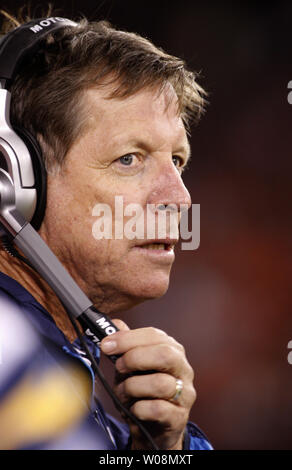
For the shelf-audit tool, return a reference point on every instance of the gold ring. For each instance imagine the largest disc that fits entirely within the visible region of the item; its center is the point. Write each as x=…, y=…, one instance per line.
x=178, y=389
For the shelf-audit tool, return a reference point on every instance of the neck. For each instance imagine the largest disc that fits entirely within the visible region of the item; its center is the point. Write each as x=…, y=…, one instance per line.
x=39, y=289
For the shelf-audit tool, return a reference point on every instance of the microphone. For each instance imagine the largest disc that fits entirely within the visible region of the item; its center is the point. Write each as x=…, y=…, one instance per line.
x=41, y=258
x=96, y=326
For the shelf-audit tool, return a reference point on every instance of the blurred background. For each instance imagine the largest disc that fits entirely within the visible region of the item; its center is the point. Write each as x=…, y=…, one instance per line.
x=230, y=301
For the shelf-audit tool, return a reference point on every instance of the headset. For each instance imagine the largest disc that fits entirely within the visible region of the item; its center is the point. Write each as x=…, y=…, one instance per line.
x=23, y=195
x=20, y=152
x=23, y=176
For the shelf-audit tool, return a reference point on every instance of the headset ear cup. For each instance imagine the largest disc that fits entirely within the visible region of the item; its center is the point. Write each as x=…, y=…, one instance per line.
x=40, y=175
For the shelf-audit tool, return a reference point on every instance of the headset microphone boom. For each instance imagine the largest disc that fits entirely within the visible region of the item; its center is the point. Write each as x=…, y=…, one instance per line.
x=23, y=183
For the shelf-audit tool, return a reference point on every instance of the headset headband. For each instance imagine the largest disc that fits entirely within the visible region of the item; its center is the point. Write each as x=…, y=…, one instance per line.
x=21, y=166
x=23, y=41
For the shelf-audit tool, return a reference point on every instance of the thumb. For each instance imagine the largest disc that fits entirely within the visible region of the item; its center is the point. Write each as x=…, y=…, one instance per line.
x=120, y=324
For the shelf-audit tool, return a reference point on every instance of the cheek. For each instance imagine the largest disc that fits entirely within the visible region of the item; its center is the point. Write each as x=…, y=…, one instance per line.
x=74, y=211
x=67, y=217
x=107, y=252
x=117, y=209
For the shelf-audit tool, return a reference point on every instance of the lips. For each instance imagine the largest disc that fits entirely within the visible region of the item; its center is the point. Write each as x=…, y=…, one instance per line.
x=159, y=244
x=156, y=246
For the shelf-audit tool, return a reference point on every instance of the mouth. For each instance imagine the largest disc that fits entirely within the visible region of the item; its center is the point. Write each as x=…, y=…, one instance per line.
x=157, y=251
x=157, y=246
x=166, y=245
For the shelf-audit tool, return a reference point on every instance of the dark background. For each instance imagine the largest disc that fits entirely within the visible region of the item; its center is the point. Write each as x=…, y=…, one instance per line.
x=229, y=301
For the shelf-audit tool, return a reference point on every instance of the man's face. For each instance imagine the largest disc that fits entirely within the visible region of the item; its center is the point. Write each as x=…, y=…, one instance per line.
x=132, y=148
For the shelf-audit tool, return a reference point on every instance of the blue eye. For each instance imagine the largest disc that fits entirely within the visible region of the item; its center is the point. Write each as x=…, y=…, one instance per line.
x=178, y=161
x=126, y=159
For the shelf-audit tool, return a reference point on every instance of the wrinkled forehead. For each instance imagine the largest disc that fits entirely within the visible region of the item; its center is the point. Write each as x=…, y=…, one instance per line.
x=149, y=119
x=167, y=98
x=157, y=101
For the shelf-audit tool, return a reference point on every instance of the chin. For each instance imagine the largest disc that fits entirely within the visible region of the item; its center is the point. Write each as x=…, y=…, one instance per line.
x=150, y=290
x=131, y=292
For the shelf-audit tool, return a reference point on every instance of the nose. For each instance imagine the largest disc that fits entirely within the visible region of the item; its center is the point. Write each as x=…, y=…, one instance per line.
x=168, y=190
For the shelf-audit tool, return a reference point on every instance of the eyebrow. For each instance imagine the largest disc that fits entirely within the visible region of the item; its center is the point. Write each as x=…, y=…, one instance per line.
x=143, y=144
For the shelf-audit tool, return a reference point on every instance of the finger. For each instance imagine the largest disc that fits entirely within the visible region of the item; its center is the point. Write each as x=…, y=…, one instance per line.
x=160, y=411
x=108, y=344
x=163, y=357
x=123, y=341
x=157, y=385
x=120, y=324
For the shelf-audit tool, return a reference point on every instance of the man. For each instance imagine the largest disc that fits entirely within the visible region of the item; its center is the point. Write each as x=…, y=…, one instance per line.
x=110, y=111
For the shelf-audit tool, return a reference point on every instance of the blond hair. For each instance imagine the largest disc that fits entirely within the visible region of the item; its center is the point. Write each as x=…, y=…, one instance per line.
x=46, y=93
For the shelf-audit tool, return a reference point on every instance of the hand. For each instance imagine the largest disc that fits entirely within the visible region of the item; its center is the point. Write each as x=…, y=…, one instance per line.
x=150, y=396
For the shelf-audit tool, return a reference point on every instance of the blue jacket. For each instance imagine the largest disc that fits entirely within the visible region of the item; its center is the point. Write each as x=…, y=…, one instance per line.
x=49, y=346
